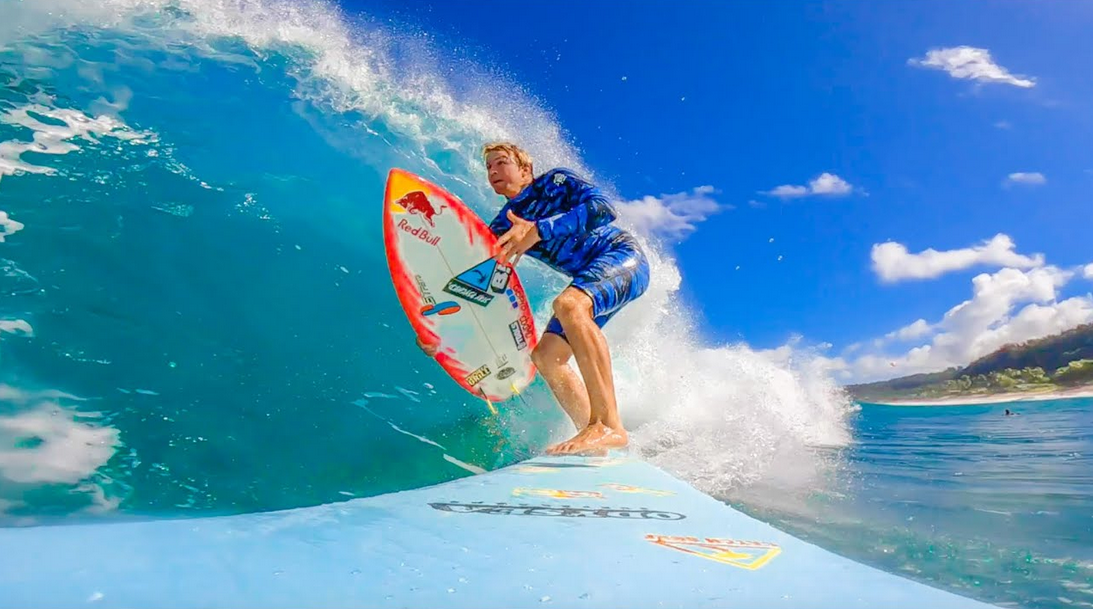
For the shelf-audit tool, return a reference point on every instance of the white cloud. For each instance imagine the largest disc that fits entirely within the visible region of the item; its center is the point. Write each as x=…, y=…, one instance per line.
x=1029, y=178
x=893, y=262
x=918, y=329
x=970, y=63
x=8, y=226
x=1003, y=125
x=824, y=184
x=674, y=215
x=1087, y=272
x=1009, y=306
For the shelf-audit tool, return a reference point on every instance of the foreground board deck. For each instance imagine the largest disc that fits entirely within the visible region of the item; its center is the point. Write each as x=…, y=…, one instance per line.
x=551, y=532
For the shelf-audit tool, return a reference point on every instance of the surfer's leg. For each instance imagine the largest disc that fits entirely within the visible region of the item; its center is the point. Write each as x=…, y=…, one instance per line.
x=612, y=281
x=551, y=357
x=573, y=308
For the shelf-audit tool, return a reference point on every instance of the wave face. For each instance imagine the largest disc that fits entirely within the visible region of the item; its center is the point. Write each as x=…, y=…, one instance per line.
x=197, y=312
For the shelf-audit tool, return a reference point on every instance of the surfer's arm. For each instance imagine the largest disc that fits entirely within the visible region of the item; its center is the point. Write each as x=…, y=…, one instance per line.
x=590, y=209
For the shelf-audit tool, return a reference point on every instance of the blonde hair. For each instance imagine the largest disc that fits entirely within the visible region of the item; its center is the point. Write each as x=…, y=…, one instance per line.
x=518, y=154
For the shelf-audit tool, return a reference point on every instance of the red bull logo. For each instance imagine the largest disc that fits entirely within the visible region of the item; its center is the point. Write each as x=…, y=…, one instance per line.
x=417, y=203
x=419, y=232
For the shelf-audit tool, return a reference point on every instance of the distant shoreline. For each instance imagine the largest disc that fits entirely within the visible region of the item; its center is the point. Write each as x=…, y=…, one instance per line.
x=994, y=398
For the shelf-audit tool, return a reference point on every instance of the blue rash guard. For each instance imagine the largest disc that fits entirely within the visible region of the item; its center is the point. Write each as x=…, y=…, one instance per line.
x=578, y=239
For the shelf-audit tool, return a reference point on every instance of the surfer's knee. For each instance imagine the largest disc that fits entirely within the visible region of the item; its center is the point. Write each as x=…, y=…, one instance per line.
x=572, y=304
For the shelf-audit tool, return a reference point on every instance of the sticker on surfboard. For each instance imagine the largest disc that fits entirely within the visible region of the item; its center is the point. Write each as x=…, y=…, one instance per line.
x=453, y=291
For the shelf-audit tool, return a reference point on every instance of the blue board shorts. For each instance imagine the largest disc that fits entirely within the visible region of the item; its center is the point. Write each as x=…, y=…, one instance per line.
x=612, y=280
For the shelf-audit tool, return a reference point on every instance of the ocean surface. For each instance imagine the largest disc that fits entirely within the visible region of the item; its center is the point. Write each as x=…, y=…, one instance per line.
x=196, y=317
x=965, y=498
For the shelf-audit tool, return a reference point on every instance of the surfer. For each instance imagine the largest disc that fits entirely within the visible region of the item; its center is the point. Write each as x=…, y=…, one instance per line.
x=566, y=222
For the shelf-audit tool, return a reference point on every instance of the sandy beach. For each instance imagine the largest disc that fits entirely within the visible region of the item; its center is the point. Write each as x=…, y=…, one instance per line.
x=995, y=398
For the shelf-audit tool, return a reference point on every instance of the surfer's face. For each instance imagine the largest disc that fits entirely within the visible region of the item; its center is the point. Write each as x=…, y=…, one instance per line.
x=505, y=174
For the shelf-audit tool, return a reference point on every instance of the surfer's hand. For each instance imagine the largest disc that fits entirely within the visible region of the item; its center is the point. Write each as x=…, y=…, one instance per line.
x=429, y=348
x=520, y=238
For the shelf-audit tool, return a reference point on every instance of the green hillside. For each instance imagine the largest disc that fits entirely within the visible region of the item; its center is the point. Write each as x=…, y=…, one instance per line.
x=1043, y=364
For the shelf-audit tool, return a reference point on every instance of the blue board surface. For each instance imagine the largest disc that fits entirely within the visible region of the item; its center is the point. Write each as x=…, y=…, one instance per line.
x=550, y=532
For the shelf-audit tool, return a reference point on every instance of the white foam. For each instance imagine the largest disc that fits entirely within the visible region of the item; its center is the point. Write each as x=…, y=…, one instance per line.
x=46, y=444
x=719, y=416
x=19, y=327
x=8, y=227
x=49, y=138
x=339, y=66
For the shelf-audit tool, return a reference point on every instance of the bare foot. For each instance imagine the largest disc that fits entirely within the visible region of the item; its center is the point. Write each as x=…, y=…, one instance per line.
x=597, y=437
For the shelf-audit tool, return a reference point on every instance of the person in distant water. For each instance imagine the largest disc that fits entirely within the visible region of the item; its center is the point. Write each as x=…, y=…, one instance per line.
x=565, y=222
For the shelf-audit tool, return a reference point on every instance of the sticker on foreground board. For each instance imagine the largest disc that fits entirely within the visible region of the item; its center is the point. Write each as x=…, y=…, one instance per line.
x=626, y=488
x=750, y=555
x=562, y=511
x=556, y=493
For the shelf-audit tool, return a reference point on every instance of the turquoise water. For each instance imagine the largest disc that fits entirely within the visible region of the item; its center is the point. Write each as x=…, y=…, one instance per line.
x=196, y=316
x=995, y=507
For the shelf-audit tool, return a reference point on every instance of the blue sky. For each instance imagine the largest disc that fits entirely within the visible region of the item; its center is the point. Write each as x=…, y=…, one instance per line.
x=855, y=135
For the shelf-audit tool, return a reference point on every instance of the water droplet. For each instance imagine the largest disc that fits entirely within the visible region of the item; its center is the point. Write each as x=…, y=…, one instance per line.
x=355, y=572
x=172, y=364
x=275, y=573
x=545, y=599
x=451, y=590
x=583, y=597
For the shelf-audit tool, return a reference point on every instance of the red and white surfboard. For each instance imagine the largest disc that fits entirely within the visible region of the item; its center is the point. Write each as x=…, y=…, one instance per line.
x=440, y=254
